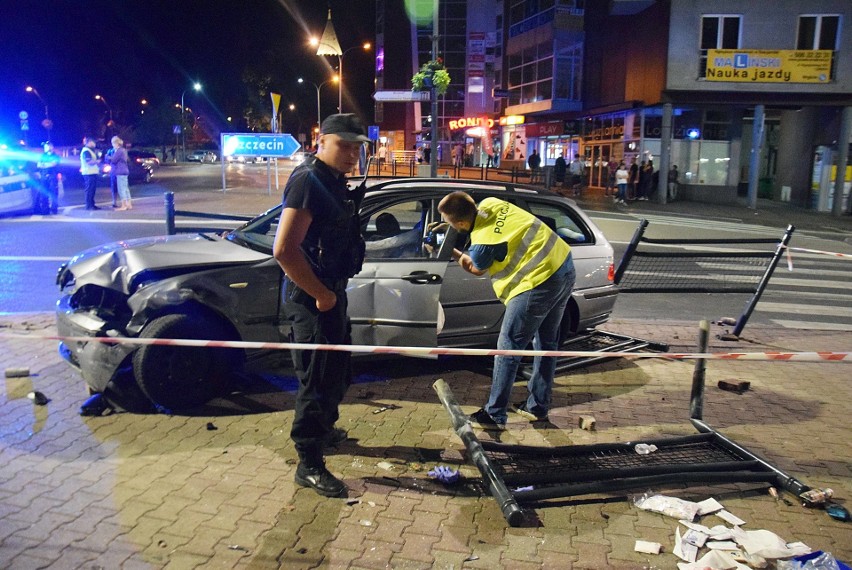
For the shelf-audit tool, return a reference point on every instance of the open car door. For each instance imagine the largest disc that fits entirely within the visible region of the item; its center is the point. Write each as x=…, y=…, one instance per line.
x=394, y=300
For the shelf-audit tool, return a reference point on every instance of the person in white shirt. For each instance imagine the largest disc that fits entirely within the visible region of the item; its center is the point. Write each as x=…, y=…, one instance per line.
x=621, y=177
x=89, y=169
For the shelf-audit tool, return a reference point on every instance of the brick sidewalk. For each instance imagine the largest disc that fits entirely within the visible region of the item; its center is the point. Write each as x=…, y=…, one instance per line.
x=154, y=491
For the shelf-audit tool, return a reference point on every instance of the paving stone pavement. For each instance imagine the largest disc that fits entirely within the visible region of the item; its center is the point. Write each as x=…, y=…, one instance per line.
x=215, y=489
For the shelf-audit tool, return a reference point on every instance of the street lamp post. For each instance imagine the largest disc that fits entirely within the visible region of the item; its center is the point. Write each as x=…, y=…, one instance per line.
x=197, y=87
x=47, y=123
x=104, y=101
x=318, y=88
x=365, y=47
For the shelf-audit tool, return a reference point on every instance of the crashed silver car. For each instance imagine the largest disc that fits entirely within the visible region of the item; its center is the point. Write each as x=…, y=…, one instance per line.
x=206, y=286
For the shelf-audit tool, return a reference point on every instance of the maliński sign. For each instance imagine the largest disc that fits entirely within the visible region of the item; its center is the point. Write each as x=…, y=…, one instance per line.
x=769, y=66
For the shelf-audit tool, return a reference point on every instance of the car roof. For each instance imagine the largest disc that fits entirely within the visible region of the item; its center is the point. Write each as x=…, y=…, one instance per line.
x=509, y=190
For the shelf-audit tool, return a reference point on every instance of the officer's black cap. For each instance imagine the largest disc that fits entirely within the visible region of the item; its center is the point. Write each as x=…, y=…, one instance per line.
x=345, y=125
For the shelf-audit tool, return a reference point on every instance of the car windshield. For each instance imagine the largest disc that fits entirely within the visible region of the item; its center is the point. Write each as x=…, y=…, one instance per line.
x=258, y=234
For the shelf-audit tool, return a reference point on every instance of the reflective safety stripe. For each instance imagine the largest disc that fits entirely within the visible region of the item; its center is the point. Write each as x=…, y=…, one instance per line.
x=536, y=260
x=526, y=242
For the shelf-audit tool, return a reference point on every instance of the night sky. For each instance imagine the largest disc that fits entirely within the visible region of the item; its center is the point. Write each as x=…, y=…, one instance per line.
x=127, y=50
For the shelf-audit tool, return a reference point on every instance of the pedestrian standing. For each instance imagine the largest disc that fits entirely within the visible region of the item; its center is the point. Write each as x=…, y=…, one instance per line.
x=560, y=167
x=673, y=182
x=319, y=246
x=383, y=155
x=612, y=167
x=577, y=169
x=532, y=273
x=633, y=180
x=621, y=178
x=47, y=199
x=89, y=169
x=534, y=162
x=121, y=170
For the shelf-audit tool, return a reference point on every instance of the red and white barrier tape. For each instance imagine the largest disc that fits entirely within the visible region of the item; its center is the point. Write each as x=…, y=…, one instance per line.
x=427, y=351
x=831, y=253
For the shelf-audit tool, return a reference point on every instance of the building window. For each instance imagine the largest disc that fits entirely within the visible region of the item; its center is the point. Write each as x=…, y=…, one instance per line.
x=718, y=32
x=818, y=32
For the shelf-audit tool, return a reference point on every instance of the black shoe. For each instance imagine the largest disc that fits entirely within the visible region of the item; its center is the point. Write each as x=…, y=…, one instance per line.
x=320, y=480
x=92, y=208
x=521, y=410
x=480, y=418
x=335, y=437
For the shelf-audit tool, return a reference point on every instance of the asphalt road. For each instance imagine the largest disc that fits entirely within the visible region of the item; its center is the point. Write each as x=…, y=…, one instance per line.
x=816, y=294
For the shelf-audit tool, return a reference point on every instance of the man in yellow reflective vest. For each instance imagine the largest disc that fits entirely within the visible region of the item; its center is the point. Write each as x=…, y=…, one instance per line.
x=532, y=273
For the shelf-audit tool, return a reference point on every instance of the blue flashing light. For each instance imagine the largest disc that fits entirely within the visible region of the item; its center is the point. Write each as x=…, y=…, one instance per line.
x=693, y=133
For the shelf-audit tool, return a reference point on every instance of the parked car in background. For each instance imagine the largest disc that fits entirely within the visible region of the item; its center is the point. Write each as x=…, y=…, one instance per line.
x=215, y=287
x=202, y=155
x=141, y=164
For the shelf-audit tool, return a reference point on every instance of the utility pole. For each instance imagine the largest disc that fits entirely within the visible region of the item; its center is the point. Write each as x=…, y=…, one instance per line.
x=433, y=156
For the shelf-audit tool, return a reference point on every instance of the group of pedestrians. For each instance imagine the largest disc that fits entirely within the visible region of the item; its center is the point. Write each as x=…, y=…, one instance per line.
x=50, y=178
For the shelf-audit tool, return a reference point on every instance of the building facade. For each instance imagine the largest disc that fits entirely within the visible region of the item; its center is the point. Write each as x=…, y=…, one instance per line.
x=748, y=98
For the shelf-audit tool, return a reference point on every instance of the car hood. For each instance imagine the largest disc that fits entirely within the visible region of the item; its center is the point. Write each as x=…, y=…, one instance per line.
x=117, y=265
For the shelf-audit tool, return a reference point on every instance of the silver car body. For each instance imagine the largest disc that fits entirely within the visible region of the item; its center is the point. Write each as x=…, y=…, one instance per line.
x=404, y=296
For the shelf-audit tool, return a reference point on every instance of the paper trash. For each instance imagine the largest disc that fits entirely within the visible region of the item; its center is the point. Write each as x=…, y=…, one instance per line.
x=716, y=559
x=669, y=506
x=647, y=547
x=767, y=544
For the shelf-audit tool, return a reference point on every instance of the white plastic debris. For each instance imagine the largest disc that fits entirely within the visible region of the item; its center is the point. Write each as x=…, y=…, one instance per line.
x=767, y=544
x=644, y=448
x=730, y=518
x=648, y=547
x=708, y=506
x=669, y=506
x=683, y=549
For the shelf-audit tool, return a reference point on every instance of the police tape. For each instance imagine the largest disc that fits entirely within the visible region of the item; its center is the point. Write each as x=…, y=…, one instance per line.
x=831, y=253
x=421, y=351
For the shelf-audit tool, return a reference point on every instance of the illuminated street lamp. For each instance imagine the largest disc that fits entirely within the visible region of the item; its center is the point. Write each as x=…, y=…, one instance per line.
x=197, y=87
x=47, y=123
x=328, y=45
x=104, y=101
x=318, y=88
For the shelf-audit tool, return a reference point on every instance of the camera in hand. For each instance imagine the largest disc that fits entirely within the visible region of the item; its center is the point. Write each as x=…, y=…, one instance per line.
x=434, y=239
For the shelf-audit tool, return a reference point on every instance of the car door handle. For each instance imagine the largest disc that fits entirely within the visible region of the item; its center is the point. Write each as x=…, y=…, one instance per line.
x=422, y=278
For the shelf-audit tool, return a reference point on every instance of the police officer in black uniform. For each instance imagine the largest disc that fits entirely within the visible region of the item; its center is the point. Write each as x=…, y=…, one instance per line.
x=319, y=247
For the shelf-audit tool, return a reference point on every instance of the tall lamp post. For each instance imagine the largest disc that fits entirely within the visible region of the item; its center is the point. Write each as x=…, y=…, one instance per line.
x=318, y=88
x=328, y=45
x=197, y=87
x=366, y=46
x=47, y=124
x=104, y=101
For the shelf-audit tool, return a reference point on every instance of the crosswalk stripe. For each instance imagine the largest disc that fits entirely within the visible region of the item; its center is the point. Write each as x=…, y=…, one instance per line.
x=811, y=325
x=794, y=309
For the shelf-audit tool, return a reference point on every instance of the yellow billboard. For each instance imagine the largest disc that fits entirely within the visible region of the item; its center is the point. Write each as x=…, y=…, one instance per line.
x=769, y=66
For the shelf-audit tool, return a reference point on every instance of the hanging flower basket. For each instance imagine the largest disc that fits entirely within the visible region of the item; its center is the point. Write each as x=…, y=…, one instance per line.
x=431, y=74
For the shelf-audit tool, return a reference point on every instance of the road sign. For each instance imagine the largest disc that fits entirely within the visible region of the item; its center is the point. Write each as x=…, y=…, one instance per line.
x=401, y=95
x=269, y=145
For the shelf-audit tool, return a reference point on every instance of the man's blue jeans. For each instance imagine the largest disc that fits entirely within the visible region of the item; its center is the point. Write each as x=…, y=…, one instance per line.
x=535, y=316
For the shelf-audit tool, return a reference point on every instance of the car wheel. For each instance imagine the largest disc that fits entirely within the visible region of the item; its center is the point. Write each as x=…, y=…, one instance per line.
x=177, y=377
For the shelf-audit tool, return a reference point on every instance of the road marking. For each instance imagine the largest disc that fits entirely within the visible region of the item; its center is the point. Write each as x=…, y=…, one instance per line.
x=791, y=309
x=809, y=325
x=60, y=219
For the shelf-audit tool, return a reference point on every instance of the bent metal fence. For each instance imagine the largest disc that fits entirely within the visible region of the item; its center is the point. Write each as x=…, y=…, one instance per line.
x=700, y=266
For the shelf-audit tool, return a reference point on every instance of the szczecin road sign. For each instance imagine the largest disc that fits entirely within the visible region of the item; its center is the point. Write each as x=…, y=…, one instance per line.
x=268, y=145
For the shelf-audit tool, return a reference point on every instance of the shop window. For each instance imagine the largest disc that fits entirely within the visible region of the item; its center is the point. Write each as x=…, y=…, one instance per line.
x=702, y=162
x=718, y=32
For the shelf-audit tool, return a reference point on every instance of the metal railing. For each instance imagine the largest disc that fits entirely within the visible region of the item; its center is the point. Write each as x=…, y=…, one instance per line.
x=171, y=214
